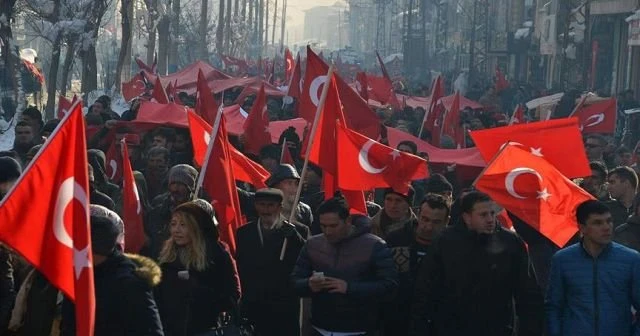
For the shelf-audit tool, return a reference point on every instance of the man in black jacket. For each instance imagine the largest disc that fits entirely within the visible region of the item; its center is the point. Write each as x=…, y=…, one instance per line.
x=409, y=246
x=470, y=278
x=268, y=298
x=123, y=286
x=347, y=272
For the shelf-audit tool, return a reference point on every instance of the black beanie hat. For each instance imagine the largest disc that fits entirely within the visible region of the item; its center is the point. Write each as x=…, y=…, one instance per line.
x=408, y=197
x=437, y=184
x=107, y=230
x=9, y=169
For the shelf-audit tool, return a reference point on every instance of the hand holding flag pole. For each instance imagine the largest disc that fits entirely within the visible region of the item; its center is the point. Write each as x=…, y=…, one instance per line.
x=312, y=135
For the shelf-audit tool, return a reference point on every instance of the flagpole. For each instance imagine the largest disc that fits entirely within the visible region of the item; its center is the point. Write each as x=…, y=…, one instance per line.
x=580, y=103
x=212, y=140
x=426, y=113
x=312, y=135
x=495, y=156
x=284, y=143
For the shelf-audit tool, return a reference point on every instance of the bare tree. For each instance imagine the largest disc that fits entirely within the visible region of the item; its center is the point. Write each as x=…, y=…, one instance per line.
x=10, y=84
x=220, y=28
x=163, y=37
x=204, y=24
x=123, y=69
x=175, y=35
x=227, y=26
x=87, y=51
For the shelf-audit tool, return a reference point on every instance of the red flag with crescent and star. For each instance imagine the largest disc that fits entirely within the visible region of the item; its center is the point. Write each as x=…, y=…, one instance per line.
x=559, y=141
x=256, y=126
x=131, y=206
x=295, y=84
x=134, y=88
x=366, y=164
x=206, y=105
x=535, y=191
x=289, y=64
x=64, y=105
x=113, y=158
x=244, y=169
x=599, y=117
x=159, y=95
x=45, y=217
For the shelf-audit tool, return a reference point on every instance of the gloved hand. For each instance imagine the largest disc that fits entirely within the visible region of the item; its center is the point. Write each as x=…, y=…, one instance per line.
x=288, y=230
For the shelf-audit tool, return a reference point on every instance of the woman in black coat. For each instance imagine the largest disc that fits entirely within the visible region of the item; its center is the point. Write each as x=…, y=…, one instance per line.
x=199, y=276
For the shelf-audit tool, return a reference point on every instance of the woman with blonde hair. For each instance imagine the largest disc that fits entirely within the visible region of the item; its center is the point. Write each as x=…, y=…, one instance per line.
x=199, y=276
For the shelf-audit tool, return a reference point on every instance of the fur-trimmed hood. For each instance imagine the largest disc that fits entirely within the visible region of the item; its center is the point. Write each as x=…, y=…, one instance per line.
x=146, y=269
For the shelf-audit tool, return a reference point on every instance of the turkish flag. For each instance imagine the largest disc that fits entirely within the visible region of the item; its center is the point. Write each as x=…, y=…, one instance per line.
x=295, y=84
x=359, y=115
x=503, y=219
x=387, y=90
x=535, y=191
x=366, y=164
x=558, y=141
x=134, y=88
x=64, y=105
x=159, y=95
x=362, y=85
x=245, y=169
x=131, y=206
x=289, y=64
x=256, y=126
x=599, y=117
x=501, y=82
x=114, y=163
x=451, y=124
x=323, y=151
x=432, y=115
x=219, y=182
x=45, y=217
x=518, y=116
x=145, y=67
x=206, y=105
x=381, y=90
x=285, y=154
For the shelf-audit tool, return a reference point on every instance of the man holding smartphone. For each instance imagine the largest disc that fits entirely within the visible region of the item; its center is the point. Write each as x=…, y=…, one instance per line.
x=347, y=272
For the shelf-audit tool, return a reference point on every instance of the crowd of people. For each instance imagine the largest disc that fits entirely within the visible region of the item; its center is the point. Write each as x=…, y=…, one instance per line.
x=433, y=261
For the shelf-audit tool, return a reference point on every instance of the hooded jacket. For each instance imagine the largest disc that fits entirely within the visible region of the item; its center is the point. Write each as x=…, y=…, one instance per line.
x=364, y=262
x=97, y=160
x=467, y=284
x=124, y=298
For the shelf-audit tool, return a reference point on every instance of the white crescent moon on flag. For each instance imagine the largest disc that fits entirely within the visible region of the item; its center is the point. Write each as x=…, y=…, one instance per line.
x=289, y=65
x=363, y=159
x=207, y=138
x=69, y=189
x=315, y=87
x=511, y=178
x=114, y=168
x=598, y=119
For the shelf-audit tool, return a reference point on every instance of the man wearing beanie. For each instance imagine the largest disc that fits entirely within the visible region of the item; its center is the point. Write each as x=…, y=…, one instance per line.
x=123, y=285
x=438, y=184
x=395, y=213
x=10, y=171
x=286, y=178
x=182, y=180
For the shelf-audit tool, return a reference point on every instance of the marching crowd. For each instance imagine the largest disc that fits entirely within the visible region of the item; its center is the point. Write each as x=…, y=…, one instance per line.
x=434, y=261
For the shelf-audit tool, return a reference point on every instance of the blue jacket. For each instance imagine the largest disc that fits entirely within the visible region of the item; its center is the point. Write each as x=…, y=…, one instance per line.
x=593, y=296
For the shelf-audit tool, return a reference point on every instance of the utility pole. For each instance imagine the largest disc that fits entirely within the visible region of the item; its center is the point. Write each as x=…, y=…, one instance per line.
x=587, y=50
x=472, y=45
x=283, y=25
x=273, y=29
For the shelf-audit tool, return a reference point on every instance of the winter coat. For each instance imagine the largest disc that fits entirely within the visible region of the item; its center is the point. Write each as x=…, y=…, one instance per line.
x=36, y=307
x=467, y=283
x=383, y=225
x=268, y=297
x=248, y=208
x=407, y=255
x=593, y=296
x=619, y=212
x=7, y=289
x=628, y=234
x=124, y=298
x=364, y=261
x=191, y=306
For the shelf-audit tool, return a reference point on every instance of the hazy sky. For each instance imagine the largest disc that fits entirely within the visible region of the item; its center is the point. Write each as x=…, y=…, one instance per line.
x=295, y=9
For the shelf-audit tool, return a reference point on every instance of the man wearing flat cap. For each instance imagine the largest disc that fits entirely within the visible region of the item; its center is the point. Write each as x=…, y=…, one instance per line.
x=286, y=178
x=268, y=297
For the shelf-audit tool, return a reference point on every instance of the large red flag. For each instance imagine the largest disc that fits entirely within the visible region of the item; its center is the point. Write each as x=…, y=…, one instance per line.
x=518, y=116
x=114, y=163
x=599, y=117
x=451, y=124
x=220, y=183
x=430, y=117
x=357, y=112
x=323, y=152
x=366, y=164
x=45, y=217
x=131, y=206
x=159, y=94
x=559, y=141
x=256, y=126
x=245, y=169
x=387, y=89
x=134, y=88
x=534, y=190
x=285, y=154
x=206, y=105
x=289, y=64
x=295, y=84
